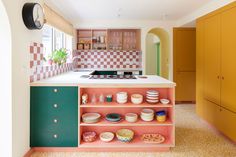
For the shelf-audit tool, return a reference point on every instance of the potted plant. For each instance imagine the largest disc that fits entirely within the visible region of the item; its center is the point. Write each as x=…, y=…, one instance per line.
x=58, y=56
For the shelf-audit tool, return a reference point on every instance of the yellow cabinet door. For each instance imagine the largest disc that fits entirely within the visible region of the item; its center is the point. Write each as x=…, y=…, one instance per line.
x=185, y=63
x=199, y=66
x=227, y=123
x=211, y=113
x=228, y=59
x=212, y=59
x=185, y=89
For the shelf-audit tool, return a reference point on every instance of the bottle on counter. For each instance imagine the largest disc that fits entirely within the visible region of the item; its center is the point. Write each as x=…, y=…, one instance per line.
x=84, y=99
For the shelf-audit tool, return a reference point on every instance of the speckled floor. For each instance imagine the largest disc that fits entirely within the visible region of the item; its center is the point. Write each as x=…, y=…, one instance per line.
x=194, y=138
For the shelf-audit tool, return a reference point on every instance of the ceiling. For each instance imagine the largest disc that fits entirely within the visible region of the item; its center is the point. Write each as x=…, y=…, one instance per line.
x=75, y=10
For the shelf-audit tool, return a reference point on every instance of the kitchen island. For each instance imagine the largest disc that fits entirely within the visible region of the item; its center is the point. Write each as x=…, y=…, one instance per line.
x=56, y=110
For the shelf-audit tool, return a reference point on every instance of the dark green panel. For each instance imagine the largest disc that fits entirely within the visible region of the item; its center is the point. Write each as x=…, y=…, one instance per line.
x=43, y=113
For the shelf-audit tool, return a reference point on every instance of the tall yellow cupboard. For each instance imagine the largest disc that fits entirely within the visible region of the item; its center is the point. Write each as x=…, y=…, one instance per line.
x=216, y=69
x=228, y=59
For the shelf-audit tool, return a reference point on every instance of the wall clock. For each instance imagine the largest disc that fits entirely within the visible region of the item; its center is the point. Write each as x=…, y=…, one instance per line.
x=33, y=15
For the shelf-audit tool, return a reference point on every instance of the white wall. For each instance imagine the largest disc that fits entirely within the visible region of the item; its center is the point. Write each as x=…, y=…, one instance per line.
x=145, y=27
x=5, y=85
x=21, y=39
x=209, y=7
x=151, y=54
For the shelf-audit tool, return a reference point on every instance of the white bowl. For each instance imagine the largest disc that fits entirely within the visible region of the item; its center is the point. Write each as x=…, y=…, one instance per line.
x=106, y=136
x=152, y=92
x=91, y=117
x=147, y=119
x=136, y=98
x=122, y=101
x=147, y=112
x=152, y=101
x=165, y=101
x=152, y=98
x=122, y=95
x=131, y=117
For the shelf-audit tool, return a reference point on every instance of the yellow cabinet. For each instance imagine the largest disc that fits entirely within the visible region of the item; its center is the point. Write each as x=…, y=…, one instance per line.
x=226, y=123
x=216, y=69
x=199, y=66
x=228, y=59
x=212, y=59
x=185, y=63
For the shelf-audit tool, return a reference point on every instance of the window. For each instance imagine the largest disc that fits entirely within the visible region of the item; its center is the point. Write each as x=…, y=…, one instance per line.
x=54, y=39
x=47, y=40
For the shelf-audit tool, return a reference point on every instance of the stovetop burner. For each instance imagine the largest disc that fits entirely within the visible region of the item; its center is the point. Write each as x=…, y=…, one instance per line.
x=113, y=77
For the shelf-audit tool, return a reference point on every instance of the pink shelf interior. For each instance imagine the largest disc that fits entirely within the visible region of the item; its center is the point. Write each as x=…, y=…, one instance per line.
x=166, y=131
x=163, y=92
x=123, y=111
x=123, y=122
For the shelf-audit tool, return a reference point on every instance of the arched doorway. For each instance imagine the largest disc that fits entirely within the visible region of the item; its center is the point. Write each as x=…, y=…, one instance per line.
x=5, y=84
x=157, y=53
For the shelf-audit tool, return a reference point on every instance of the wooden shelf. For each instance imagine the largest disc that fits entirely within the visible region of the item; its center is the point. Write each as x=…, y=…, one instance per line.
x=136, y=142
x=125, y=123
x=126, y=105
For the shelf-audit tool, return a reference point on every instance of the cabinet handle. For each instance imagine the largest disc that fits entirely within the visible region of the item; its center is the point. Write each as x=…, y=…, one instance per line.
x=55, y=120
x=218, y=77
x=55, y=105
x=55, y=90
x=55, y=136
x=223, y=78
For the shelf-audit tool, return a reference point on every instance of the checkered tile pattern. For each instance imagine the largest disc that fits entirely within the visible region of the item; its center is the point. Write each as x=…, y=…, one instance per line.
x=109, y=59
x=38, y=71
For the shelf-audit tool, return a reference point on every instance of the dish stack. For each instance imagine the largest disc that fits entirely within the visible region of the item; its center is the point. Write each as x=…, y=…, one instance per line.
x=122, y=97
x=147, y=115
x=152, y=96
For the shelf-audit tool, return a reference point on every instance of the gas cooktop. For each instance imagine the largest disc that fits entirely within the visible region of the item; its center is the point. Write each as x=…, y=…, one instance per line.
x=112, y=77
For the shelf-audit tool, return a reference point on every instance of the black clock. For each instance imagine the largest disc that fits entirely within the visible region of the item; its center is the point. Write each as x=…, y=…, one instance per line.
x=33, y=16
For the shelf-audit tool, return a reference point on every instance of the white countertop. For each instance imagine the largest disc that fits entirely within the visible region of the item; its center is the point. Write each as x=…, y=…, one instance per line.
x=74, y=79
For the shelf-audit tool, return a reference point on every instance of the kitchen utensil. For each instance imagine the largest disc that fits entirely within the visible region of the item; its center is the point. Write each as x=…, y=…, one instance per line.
x=161, y=116
x=131, y=117
x=165, y=101
x=125, y=135
x=89, y=136
x=113, y=117
x=136, y=98
x=153, y=138
x=91, y=117
x=106, y=136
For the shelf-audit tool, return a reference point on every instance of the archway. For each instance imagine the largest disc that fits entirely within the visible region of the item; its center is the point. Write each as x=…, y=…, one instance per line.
x=5, y=85
x=157, y=53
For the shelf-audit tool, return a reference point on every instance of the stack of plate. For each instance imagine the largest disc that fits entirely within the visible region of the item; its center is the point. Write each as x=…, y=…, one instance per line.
x=147, y=115
x=152, y=96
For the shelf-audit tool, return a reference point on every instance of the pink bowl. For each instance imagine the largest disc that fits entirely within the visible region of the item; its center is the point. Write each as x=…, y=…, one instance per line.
x=89, y=136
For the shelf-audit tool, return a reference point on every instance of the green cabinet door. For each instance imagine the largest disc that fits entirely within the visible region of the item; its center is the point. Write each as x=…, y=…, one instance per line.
x=54, y=117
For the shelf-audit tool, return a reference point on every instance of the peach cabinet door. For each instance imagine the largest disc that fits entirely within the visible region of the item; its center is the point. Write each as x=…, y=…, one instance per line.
x=228, y=59
x=212, y=59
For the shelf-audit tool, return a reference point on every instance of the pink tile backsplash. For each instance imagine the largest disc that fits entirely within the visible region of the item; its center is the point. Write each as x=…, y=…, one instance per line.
x=38, y=70
x=96, y=59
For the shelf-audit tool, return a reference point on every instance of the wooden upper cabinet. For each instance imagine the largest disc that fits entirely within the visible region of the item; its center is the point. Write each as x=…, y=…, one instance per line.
x=108, y=39
x=212, y=59
x=124, y=39
x=228, y=59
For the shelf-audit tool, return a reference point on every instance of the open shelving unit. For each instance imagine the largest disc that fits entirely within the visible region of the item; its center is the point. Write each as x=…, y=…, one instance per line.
x=109, y=39
x=167, y=128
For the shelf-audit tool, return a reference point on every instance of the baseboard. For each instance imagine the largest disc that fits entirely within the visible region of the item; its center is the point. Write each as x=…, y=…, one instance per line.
x=29, y=153
x=185, y=102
